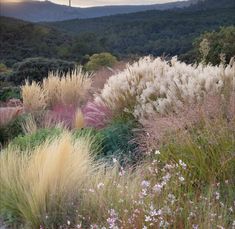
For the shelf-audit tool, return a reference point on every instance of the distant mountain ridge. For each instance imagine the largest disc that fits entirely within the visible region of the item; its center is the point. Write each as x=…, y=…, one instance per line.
x=38, y=11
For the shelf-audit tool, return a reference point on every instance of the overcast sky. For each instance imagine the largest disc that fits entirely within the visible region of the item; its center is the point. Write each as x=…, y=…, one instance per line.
x=86, y=3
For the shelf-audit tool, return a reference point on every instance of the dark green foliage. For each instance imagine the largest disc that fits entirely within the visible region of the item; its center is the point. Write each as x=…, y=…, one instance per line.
x=35, y=69
x=30, y=141
x=7, y=93
x=12, y=129
x=20, y=40
x=154, y=32
x=169, y=32
x=119, y=140
x=116, y=140
x=220, y=42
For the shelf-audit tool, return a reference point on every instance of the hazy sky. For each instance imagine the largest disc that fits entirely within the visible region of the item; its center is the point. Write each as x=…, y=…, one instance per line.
x=88, y=3
x=85, y=3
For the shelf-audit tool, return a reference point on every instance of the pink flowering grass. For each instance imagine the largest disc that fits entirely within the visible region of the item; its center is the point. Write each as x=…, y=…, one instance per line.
x=7, y=114
x=158, y=126
x=61, y=114
x=96, y=114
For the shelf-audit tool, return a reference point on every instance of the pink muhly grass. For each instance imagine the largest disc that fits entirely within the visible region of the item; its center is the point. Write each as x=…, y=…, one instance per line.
x=7, y=114
x=96, y=114
x=61, y=114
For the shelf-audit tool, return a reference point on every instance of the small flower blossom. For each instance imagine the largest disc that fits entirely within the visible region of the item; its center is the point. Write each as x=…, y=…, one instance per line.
x=157, y=188
x=181, y=178
x=145, y=183
x=115, y=160
x=182, y=164
x=217, y=195
x=148, y=219
x=100, y=185
x=157, y=152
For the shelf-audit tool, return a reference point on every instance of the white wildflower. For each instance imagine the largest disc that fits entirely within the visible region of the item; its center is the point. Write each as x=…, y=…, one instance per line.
x=100, y=185
x=157, y=152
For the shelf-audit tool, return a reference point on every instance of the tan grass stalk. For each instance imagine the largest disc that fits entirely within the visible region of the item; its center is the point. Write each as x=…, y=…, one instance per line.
x=79, y=121
x=34, y=97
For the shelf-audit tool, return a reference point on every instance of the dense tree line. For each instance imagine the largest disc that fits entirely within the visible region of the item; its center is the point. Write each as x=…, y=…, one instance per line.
x=20, y=40
x=214, y=47
x=150, y=32
x=169, y=33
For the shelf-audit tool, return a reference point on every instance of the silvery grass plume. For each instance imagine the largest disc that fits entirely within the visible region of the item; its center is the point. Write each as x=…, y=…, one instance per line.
x=156, y=85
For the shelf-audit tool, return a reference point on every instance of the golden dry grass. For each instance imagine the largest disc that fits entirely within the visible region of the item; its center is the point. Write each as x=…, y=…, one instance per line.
x=67, y=90
x=34, y=97
x=79, y=121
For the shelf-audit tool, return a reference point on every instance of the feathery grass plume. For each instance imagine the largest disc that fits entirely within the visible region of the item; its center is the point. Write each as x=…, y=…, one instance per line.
x=51, y=86
x=69, y=89
x=79, y=121
x=74, y=88
x=155, y=85
x=96, y=114
x=50, y=184
x=41, y=189
x=34, y=97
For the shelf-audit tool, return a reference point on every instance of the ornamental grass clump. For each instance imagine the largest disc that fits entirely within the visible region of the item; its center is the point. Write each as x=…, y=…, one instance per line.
x=152, y=86
x=40, y=187
x=68, y=90
x=59, y=185
x=34, y=97
x=54, y=184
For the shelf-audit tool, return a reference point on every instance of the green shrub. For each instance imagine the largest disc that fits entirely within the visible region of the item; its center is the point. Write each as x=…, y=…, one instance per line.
x=212, y=46
x=35, y=69
x=30, y=141
x=119, y=140
x=100, y=60
x=7, y=93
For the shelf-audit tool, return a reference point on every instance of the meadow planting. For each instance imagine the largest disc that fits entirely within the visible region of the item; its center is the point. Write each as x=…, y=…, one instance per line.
x=153, y=148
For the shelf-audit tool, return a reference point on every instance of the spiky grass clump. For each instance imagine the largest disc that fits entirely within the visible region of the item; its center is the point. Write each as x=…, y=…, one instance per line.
x=43, y=188
x=34, y=97
x=54, y=184
x=68, y=90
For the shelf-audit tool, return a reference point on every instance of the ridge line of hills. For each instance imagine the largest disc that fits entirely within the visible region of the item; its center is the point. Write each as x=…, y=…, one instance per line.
x=170, y=32
x=38, y=11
